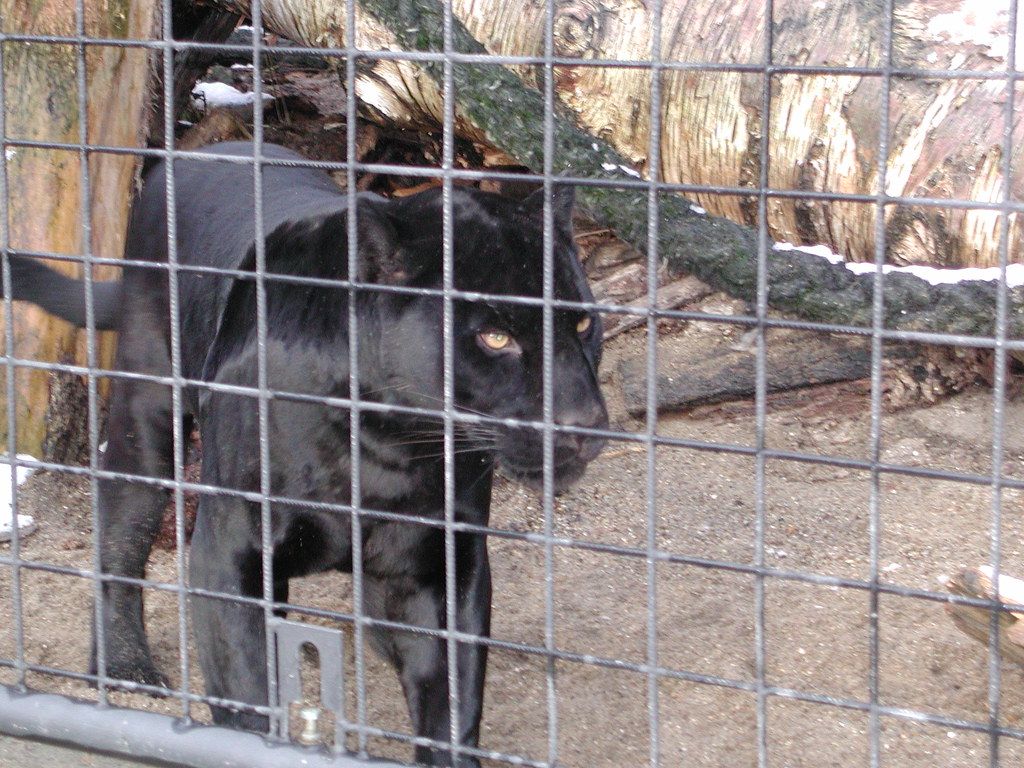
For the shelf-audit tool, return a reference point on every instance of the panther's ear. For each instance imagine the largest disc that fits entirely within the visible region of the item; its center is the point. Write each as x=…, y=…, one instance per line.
x=381, y=259
x=563, y=197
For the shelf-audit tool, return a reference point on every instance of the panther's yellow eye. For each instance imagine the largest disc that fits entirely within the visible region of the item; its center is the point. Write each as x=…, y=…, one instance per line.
x=496, y=340
x=584, y=324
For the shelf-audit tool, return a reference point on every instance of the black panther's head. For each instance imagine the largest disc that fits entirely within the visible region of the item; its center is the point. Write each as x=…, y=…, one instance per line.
x=498, y=337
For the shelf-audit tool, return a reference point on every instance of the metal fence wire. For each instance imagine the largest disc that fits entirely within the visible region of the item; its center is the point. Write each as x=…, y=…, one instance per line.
x=748, y=583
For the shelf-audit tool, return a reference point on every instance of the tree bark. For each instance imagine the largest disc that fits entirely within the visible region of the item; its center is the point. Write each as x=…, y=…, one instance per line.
x=946, y=135
x=46, y=199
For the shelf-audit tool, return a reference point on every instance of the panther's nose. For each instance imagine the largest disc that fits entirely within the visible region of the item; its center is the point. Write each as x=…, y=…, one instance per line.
x=571, y=445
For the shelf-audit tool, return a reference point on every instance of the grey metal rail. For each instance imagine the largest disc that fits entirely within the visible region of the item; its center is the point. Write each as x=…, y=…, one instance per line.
x=152, y=737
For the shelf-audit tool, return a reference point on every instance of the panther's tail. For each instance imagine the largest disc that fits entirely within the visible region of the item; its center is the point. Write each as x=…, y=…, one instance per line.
x=64, y=296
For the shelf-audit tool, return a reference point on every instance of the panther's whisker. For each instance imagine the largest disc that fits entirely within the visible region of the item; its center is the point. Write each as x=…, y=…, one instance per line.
x=467, y=445
x=467, y=441
x=441, y=454
x=458, y=407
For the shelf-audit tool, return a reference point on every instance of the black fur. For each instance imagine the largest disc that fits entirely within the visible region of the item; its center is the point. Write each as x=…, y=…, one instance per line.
x=498, y=249
x=64, y=296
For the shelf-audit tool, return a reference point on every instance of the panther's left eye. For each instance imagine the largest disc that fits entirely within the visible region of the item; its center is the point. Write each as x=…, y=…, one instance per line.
x=584, y=324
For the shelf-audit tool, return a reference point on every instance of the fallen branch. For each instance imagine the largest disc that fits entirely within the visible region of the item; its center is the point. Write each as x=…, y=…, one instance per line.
x=678, y=293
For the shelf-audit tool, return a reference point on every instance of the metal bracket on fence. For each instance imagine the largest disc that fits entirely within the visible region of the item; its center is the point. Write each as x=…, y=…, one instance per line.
x=290, y=638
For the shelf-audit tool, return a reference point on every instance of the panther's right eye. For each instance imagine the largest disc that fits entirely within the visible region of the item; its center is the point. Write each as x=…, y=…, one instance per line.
x=497, y=341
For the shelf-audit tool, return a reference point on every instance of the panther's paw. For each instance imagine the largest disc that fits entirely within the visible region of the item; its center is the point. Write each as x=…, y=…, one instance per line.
x=128, y=675
x=442, y=759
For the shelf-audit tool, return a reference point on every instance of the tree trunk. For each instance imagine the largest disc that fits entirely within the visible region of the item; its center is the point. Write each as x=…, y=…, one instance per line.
x=46, y=199
x=946, y=135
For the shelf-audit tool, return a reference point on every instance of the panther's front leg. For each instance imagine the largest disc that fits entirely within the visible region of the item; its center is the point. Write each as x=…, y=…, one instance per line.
x=230, y=634
x=422, y=660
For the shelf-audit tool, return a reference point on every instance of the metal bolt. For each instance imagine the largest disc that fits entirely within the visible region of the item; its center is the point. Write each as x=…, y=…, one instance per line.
x=310, y=736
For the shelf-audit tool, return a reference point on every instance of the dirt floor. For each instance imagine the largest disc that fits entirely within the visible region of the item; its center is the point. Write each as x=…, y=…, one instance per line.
x=706, y=616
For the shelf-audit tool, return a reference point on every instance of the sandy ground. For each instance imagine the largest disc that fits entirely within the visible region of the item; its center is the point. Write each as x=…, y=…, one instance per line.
x=705, y=621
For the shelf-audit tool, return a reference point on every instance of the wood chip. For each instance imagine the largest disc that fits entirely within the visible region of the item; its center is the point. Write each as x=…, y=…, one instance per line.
x=977, y=621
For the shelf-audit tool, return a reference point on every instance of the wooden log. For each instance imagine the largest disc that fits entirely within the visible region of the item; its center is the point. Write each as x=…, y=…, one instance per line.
x=977, y=621
x=46, y=199
x=795, y=359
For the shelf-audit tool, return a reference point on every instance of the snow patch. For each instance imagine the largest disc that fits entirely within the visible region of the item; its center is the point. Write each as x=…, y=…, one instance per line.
x=983, y=24
x=624, y=168
x=932, y=275
x=26, y=524
x=210, y=95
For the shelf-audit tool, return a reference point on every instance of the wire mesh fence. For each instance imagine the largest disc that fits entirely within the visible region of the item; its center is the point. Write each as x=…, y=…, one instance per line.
x=747, y=574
